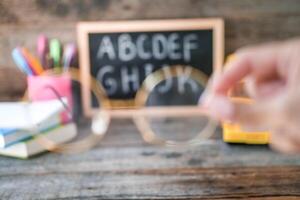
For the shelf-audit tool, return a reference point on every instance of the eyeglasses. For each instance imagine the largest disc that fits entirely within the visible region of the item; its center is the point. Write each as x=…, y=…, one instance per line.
x=165, y=111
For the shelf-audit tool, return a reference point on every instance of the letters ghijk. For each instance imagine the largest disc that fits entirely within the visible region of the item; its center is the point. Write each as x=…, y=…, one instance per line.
x=146, y=48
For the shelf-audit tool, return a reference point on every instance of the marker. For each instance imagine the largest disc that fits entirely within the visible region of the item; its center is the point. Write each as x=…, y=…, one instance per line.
x=49, y=61
x=20, y=61
x=55, y=52
x=43, y=50
x=33, y=63
x=69, y=56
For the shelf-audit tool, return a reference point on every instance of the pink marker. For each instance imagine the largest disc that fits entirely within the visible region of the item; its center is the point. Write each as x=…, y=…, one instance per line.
x=43, y=50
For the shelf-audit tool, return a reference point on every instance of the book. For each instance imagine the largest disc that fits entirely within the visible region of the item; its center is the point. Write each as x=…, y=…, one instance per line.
x=26, y=115
x=33, y=146
x=11, y=136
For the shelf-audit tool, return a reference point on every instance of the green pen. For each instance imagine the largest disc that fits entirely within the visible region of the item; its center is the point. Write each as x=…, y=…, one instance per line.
x=55, y=52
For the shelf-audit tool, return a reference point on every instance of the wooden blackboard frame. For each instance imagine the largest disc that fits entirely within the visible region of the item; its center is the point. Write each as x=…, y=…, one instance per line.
x=85, y=28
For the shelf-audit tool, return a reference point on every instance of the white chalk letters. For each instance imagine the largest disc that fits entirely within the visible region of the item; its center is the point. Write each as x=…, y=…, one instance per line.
x=144, y=47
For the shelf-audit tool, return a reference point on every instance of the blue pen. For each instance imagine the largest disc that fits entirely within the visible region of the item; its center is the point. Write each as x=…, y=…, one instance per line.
x=20, y=61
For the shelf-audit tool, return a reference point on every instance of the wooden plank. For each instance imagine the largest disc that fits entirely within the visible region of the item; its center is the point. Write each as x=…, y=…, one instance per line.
x=42, y=11
x=177, y=183
x=123, y=166
x=246, y=22
x=12, y=84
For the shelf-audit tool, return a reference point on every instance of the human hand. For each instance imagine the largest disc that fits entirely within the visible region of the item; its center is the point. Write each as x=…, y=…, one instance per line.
x=271, y=74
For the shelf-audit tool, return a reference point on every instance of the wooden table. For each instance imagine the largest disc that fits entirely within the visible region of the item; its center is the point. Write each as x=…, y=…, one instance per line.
x=124, y=167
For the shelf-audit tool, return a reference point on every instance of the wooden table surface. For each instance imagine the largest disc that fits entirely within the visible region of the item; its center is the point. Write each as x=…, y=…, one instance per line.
x=124, y=167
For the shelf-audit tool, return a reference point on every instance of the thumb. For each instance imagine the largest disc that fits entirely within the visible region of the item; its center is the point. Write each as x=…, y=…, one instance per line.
x=243, y=111
x=254, y=116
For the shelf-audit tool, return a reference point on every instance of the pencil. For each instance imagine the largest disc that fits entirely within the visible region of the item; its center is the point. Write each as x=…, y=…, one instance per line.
x=33, y=62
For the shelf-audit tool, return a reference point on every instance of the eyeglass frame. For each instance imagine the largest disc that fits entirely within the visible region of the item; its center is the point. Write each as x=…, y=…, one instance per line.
x=136, y=113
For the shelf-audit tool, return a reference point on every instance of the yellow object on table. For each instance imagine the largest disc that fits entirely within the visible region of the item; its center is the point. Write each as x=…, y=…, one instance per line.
x=233, y=133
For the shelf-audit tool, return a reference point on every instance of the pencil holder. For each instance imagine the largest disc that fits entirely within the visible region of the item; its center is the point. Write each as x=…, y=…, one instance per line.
x=46, y=87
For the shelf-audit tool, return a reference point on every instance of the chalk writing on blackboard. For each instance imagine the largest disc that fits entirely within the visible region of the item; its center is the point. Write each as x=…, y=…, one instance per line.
x=121, y=54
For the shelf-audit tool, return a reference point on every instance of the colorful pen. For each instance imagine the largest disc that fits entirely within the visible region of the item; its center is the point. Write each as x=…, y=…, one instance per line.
x=55, y=52
x=49, y=61
x=43, y=50
x=70, y=52
x=33, y=63
x=20, y=61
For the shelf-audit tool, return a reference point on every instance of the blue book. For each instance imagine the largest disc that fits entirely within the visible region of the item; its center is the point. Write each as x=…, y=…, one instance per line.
x=10, y=136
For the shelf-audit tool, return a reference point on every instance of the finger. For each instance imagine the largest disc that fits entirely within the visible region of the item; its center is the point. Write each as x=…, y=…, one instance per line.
x=252, y=115
x=293, y=63
x=283, y=144
x=239, y=110
x=207, y=93
x=263, y=90
x=220, y=108
x=262, y=115
x=292, y=132
x=259, y=62
x=249, y=86
x=235, y=72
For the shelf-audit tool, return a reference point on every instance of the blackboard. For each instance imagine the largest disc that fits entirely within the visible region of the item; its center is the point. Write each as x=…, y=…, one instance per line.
x=120, y=54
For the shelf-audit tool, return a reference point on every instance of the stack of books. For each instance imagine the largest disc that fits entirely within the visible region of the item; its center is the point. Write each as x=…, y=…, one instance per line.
x=22, y=125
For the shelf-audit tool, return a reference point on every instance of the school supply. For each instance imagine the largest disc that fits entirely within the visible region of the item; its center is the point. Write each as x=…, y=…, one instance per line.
x=48, y=86
x=50, y=62
x=70, y=53
x=43, y=50
x=50, y=113
x=122, y=53
x=56, y=52
x=149, y=116
x=32, y=62
x=232, y=132
x=9, y=136
x=25, y=115
x=21, y=61
x=41, y=88
x=34, y=146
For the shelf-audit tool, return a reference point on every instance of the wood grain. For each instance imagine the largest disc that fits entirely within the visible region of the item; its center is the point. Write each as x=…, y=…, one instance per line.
x=124, y=167
x=12, y=84
x=246, y=22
